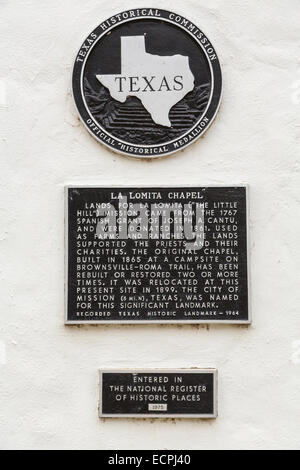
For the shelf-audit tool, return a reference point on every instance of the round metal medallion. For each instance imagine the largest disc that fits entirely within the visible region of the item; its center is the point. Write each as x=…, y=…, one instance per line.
x=147, y=82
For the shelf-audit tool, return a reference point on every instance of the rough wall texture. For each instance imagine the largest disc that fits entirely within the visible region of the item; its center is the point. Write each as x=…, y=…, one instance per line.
x=48, y=372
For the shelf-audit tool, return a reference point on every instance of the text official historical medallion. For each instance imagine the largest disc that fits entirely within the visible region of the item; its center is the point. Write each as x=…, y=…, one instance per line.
x=164, y=255
x=147, y=82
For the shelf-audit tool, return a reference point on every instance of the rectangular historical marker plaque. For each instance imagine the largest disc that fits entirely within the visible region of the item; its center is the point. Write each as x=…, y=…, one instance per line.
x=169, y=393
x=165, y=255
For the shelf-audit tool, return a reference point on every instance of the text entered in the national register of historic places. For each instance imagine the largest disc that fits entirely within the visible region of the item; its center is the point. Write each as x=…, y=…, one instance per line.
x=166, y=255
x=153, y=393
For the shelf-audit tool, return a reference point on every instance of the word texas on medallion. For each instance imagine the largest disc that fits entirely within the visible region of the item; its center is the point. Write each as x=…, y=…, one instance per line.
x=147, y=82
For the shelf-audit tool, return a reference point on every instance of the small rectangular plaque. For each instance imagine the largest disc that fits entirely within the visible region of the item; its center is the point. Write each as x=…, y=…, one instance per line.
x=157, y=255
x=168, y=393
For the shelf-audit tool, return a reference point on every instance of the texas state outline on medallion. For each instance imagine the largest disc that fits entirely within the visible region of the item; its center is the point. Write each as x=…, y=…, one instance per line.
x=153, y=79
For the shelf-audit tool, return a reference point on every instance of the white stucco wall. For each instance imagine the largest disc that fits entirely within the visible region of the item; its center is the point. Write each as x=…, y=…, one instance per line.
x=48, y=372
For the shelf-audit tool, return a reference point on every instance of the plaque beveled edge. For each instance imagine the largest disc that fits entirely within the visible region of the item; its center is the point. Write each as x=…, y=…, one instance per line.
x=207, y=370
x=248, y=321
